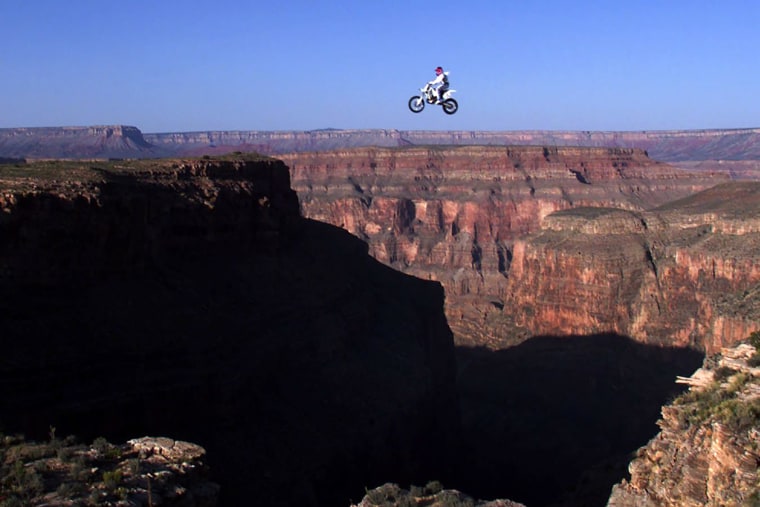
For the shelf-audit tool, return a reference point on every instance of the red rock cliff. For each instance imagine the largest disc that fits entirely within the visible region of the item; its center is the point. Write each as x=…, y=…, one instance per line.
x=666, y=276
x=706, y=452
x=483, y=221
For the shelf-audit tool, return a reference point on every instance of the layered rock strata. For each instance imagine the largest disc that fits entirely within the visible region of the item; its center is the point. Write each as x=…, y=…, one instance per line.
x=684, y=274
x=534, y=240
x=189, y=297
x=714, y=149
x=670, y=145
x=102, y=141
x=706, y=452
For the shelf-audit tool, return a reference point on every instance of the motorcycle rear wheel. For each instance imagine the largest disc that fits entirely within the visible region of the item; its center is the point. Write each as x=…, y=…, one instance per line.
x=450, y=106
x=416, y=104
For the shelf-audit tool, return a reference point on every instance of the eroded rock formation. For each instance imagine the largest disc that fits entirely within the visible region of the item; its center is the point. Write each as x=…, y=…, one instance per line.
x=683, y=274
x=190, y=298
x=706, y=452
x=102, y=141
x=533, y=241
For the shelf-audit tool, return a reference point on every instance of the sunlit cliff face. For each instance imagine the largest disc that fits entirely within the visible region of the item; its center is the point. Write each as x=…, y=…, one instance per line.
x=512, y=235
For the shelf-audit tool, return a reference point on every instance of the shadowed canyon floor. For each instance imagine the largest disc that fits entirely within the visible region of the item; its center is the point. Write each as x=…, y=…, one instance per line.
x=555, y=420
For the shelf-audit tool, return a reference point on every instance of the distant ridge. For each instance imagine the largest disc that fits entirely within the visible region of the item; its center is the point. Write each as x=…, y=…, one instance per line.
x=129, y=142
x=98, y=141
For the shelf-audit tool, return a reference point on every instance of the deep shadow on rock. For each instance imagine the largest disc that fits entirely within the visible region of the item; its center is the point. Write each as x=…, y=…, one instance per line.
x=555, y=420
x=307, y=369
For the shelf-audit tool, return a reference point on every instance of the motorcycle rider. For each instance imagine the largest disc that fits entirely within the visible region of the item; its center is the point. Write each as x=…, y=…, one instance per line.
x=442, y=81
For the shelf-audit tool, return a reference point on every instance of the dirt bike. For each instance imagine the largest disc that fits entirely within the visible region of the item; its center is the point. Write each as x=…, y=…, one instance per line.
x=430, y=95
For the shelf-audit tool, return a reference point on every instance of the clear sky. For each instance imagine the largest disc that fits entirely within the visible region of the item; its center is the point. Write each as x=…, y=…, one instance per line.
x=173, y=66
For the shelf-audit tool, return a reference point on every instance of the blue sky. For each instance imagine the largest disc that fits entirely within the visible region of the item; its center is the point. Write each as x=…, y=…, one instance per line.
x=172, y=66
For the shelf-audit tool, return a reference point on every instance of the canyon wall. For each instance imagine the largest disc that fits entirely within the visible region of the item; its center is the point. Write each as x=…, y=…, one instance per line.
x=189, y=298
x=706, y=452
x=668, y=276
x=535, y=240
x=670, y=145
x=714, y=149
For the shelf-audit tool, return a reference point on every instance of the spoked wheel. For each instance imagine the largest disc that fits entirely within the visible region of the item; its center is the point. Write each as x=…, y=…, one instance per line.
x=416, y=104
x=450, y=106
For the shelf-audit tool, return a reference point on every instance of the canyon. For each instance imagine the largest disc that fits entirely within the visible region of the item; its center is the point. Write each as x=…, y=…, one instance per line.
x=333, y=320
x=551, y=241
x=578, y=281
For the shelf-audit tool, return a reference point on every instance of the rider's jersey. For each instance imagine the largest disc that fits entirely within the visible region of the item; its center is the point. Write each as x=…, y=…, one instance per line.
x=442, y=79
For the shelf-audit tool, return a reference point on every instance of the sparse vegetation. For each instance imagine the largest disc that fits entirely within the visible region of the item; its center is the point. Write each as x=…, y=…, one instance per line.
x=738, y=415
x=112, y=478
x=100, y=445
x=433, y=487
x=85, y=172
x=81, y=475
x=724, y=400
x=433, y=493
x=754, y=340
x=723, y=373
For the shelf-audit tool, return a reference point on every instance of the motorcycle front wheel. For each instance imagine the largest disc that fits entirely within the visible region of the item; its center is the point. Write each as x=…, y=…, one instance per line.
x=416, y=104
x=450, y=106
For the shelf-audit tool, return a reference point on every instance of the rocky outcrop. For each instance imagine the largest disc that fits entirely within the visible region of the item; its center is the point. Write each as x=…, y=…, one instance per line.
x=532, y=241
x=143, y=472
x=706, y=452
x=432, y=495
x=190, y=298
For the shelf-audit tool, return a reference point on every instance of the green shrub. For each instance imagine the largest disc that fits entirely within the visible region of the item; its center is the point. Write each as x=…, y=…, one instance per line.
x=12, y=501
x=25, y=482
x=65, y=454
x=417, y=491
x=454, y=499
x=723, y=373
x=79, y=470
x=738, y=382
x=101, y=445
x=738, y=415
x=753, y=500
x=111, y=479
x=754, y=340
x=71, y=489
x=433, y=487
x=122, y=493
